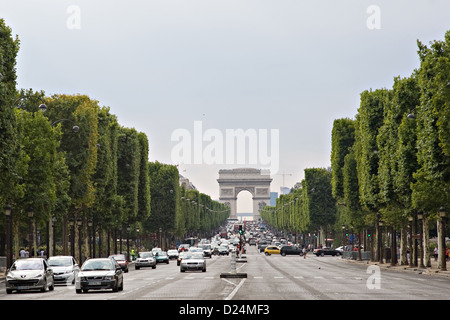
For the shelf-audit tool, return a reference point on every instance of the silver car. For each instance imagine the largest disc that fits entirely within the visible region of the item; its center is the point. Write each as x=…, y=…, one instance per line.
x=30, y=274
x=145, y=259
x=65, y=269
x=193, y=261
x=99, y=274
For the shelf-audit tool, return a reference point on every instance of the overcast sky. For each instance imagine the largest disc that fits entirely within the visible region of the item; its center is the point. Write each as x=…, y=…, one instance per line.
x=286, y=67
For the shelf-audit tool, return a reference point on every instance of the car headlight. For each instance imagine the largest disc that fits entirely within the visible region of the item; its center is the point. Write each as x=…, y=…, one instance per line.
x=39, y=275
x=109, y=278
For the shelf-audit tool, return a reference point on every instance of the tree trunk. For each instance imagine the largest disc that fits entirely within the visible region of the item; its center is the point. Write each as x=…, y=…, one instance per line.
x=426, y=243
x=404, y=247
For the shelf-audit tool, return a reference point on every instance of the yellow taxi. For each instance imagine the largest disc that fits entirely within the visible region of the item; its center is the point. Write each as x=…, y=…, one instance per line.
x=271, y=250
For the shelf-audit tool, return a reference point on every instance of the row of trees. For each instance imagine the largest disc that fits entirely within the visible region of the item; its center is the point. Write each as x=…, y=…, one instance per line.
x=308, y=212
x=393, y=161
x=390, y=165
x=65, y=160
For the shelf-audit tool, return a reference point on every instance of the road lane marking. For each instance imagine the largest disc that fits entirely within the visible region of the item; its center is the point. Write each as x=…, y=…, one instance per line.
x=231, y=295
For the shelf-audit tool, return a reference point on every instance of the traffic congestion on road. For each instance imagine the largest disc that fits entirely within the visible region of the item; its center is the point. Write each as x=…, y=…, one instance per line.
x=189, y=274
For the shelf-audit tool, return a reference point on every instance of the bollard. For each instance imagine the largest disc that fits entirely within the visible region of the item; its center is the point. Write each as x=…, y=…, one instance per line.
x=233, y=262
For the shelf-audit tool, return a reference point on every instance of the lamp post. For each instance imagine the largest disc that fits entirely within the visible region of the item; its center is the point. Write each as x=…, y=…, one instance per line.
x=128, y=243
x=18, y=102
x=80, y=225
x=380, y=241
x=442, y=247
x=54, y=235
x=8, y=220
x=75, y=127
x=30, y=212
x=410, y=220
x=420, y=218
x=91, y=240
x=72, y=236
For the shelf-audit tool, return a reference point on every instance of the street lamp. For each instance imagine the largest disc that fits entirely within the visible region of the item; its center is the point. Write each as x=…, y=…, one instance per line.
x=79, y=224
x=54, y=235
x=72, y=236
x=75, y=127
x=410, y=220
x=91, y=239
x=420, y=218
x=18, y=102
x=30, y=211
x=8, y=220
x=442, y=247
x=128, y=242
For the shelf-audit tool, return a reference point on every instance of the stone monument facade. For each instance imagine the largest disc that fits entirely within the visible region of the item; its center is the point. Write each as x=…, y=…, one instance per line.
x=233, y=181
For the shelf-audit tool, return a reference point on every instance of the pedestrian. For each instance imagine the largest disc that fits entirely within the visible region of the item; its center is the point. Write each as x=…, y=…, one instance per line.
x=304, y=252
x=435, y=253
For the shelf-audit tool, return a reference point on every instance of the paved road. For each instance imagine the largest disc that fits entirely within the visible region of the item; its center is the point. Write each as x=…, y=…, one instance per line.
x=268, y=278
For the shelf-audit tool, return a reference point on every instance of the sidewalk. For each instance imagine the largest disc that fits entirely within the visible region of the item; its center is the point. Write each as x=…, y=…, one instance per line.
x=432, y=271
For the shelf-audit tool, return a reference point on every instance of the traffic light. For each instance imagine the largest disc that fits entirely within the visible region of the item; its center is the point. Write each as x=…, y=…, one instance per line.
x=240, y=229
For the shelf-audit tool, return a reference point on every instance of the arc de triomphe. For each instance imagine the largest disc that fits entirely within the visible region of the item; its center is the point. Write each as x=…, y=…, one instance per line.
x=233, y=181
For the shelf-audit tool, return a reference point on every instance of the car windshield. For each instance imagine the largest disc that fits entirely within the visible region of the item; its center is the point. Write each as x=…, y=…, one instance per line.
x=91, y=265
x=118, y=257
x=194, y=255
x=27, y=265
x=161, y=254
x=60, y=262
x=145, y=254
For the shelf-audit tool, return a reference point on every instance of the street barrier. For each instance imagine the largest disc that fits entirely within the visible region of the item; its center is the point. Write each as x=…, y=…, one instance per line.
x=353, y=255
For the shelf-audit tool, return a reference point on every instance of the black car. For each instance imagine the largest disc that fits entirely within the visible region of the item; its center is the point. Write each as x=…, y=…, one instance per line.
x=291, y=250
x=326, y=252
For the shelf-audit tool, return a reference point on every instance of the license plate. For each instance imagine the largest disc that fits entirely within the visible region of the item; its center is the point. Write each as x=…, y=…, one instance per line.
x=95, y=283
x=23, y=287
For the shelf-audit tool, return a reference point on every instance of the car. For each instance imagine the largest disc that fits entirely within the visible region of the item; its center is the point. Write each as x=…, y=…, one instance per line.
x=121, y=260
x=291, y=250
x=252, y=242
x=223, y=249
x=325, y=252
x=30, y=274
x=181, y=256
x=155, y=251
x=183, y=247
x=65, y=269
x=193, y=261
x=340, y=250
x=271, y=250
x=161, y=257
x=145, y=259
x=207, y=251
x=173, y=254
x=99, y=274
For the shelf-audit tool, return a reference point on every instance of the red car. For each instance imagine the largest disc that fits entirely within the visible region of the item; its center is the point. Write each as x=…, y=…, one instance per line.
x=121, y=260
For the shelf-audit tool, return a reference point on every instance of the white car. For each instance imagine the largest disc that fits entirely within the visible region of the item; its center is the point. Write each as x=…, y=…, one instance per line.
x=145, y=259
x=193, y=261
x=29, y=274
x=173, y=254
x=65, y=269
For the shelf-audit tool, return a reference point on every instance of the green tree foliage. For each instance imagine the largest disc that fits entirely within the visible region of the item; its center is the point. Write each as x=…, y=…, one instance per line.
x=321, y=206
x=432, y=187
x=368, y=121
x=403, y=99
x=128, y=169
x=342, y=139
x=10, y=169
x=164, y=193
